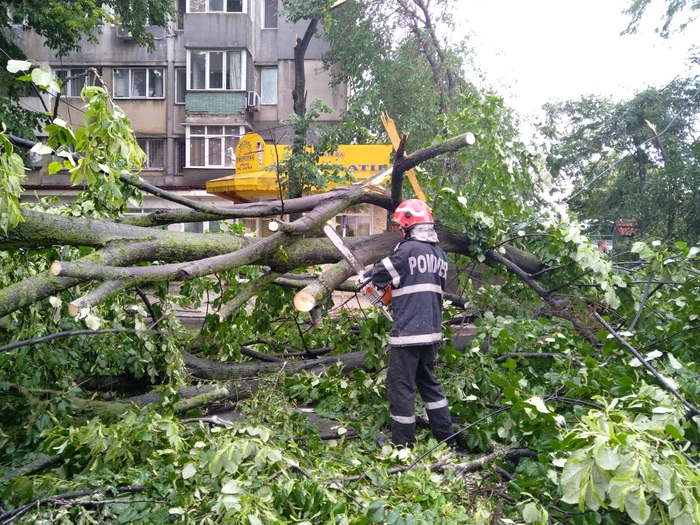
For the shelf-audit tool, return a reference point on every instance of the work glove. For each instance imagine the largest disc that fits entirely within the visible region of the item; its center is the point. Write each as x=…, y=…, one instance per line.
x=362, y=280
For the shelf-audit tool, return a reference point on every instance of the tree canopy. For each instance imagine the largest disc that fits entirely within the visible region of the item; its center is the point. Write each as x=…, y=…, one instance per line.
x=674, y=9
x=572, y=373
x=635, y=159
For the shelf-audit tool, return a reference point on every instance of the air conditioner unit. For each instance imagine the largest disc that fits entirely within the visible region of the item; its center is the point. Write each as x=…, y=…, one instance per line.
x=253, y=101
x=124, y=34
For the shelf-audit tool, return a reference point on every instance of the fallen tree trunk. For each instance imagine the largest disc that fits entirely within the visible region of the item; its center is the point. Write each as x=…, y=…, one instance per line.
x=241, y=382
x=203, y=369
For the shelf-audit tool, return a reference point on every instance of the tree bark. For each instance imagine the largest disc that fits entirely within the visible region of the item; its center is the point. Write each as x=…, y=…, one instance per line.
x=204, y=369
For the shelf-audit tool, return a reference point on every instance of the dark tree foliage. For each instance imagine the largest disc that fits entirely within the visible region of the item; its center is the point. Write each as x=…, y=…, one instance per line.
x=394, y=57
x=64, y=23
x=643, y=154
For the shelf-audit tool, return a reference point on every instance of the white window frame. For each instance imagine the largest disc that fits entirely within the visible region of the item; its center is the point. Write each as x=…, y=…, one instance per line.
x=147, y=70
x=177, y=90
x=207, y=136
x=206, y=9
x=242, y=87
x=262, y=85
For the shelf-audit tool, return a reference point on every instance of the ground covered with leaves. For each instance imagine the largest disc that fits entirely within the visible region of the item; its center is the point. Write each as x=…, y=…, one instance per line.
x=559, y=429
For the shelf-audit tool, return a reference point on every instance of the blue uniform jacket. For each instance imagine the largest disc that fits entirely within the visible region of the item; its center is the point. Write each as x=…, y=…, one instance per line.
x=417, y=272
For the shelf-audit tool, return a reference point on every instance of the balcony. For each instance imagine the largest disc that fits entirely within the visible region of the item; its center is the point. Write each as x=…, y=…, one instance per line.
x=215, y=103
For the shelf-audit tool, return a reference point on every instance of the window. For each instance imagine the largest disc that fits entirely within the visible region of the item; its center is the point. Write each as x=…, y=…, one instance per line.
x=270, y=14
x=216, y=69
x=180, y=85
x=269, y=86
x=355, y=221
x=258, y=227
x=180, y=156
x=193, y=227
x=216, y=6
x=212, y=146
x=155, y=153
x=201, y=227
x=74, y=80
x=138, y=83
x=181, y=10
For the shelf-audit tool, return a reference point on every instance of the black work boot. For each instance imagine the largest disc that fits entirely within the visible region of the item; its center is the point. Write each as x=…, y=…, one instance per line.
x=382, y=440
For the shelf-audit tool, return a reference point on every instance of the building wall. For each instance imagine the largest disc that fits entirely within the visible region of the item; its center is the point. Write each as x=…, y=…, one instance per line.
x=109, y=50
x=163, y=119
x=218, y=31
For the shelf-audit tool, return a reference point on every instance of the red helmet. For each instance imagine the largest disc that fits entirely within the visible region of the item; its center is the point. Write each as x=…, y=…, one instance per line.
x=412, y=212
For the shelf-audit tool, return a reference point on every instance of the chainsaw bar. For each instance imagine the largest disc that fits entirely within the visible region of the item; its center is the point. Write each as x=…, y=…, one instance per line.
x=375, y=297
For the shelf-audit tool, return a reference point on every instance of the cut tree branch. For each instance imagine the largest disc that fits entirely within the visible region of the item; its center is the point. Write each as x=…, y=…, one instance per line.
x=692, y=410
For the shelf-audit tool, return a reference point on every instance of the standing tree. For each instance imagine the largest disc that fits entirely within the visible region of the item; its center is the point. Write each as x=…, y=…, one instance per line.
x=636, y=159
x=674, y=8
x=64, y=26
x=578, y=396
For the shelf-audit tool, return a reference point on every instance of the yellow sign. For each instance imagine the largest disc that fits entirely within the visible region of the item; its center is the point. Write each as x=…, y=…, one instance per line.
x=251, y=154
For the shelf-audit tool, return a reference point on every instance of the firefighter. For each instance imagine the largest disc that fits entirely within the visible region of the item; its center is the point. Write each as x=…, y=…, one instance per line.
x=417, y=272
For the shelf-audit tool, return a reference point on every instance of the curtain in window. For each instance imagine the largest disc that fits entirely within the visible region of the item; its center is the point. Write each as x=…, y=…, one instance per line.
x=216, y=70
x=198, y=6
x=197, y=151
x=121, y=82
x=271, y=14
x=156, y=153
x=234, y=68
x=230, y=143
x=198, y=68
x=215, y=152
x=155, y=82
x=75, y=85
x=269, y=86
x=216, y=6
x=138, y=82
x=181, y=85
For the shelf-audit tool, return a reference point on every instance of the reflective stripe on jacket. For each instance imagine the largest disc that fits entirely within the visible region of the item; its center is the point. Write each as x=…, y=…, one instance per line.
x=417, y=272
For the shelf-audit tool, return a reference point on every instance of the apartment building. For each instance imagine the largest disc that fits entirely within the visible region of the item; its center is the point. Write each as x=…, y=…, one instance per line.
x=224, y=70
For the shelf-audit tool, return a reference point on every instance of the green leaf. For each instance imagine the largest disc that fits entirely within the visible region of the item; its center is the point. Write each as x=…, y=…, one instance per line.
x=674, y=432
x=538, y=403
x=41, y=77
x=606, y=458
x=189, y=471
x=15, y=66
x=41, y=149
x=55, y=167
x=636, y=506
x=231, y=487
x=375, y=512
x=510, y=364
x=531, y=514
x=574, y=480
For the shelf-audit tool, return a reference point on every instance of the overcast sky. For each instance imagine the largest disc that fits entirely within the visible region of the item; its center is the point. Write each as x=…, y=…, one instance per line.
x=538, y=51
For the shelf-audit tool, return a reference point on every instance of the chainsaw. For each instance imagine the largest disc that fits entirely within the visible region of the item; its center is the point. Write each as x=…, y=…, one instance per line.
x=376, y=297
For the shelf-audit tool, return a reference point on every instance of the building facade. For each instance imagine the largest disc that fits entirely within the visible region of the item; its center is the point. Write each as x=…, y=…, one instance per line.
x=225, y=69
